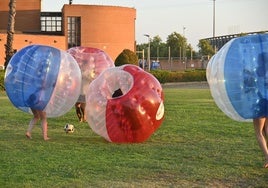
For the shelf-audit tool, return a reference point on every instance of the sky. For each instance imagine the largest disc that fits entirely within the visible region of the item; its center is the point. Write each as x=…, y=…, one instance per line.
x=191, y=18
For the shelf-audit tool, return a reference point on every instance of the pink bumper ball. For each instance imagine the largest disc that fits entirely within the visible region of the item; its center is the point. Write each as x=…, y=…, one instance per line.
x=125, y=104
x=92, y=62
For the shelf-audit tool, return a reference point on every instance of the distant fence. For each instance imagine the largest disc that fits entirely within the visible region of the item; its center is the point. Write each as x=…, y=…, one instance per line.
x=176, y=64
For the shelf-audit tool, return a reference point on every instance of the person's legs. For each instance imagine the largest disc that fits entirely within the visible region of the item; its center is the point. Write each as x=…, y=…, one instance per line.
x=79, y=111
x=83, y=110
x=32, y=123
x=265, y=131
x=259, y=124
x=44, y=124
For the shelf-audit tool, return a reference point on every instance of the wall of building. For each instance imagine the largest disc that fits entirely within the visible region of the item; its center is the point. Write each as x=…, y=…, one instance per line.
x=110, y=28
x=27, y=15
x=22, y=40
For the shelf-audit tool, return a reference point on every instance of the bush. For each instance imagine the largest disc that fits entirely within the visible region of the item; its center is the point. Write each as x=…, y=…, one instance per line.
x=161, y=75
x=126, y=57
x=2, y=75
x=188, y=76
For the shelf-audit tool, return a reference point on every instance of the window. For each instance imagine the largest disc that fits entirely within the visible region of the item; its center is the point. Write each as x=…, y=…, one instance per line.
x=51, y=22
x=74, y=31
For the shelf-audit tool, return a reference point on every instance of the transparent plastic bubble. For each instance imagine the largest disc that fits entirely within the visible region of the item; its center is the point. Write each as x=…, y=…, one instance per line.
x=237, y=76
x=92, y=62
x=125, y=104
x=43, y=78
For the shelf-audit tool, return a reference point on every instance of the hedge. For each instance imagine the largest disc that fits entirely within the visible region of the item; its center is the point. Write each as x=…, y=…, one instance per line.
x=187, y=76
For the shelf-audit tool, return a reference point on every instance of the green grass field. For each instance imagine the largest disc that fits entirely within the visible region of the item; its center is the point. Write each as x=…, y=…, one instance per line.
x=196, y=146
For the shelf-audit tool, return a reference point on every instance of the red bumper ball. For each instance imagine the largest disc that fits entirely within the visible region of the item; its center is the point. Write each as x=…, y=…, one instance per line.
x=125, y=104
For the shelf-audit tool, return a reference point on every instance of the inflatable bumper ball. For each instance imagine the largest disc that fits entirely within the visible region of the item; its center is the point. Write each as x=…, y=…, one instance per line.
x=125, y=104
x=43, y=78
x=238, y=77
x=92, y=62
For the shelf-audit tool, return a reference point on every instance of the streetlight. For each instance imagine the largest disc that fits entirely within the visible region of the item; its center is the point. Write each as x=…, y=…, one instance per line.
x=184, y=49
x=214, y=41
x=142, y=52
x=148, y=59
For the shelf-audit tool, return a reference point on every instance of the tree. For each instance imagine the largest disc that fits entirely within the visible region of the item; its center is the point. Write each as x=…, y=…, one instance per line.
x=10, y=31
x=140, y=47
x=190, y=53
x=177, y=44
x=205, y=49
x=126, y=57
x=158, y=48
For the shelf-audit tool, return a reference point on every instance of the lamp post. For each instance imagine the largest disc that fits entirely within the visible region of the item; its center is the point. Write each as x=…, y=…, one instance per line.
x=169, y=58
x=148, y=58
x=157, y=51
x=184, y=49
x=142, y=52
x=214, y=41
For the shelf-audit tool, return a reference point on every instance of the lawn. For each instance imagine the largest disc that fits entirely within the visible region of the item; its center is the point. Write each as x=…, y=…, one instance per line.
x=196, y=146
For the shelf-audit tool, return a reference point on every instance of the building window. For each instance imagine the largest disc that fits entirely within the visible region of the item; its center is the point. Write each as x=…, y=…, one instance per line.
x=74, y=31
x=51, y=22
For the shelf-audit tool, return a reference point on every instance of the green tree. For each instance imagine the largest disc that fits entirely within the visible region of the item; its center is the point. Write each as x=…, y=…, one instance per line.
x=10, y=32
x=158, y=48
x=126, y=57
x=140, y=48
x=154, y=46
x=205, y=49
x=177, y=44
x=190, y=53
x=242, y=34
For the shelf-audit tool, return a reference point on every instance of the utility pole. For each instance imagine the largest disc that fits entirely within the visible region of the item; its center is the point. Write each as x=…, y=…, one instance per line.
x=184, y=49
x=149, y=50
x=214, y=40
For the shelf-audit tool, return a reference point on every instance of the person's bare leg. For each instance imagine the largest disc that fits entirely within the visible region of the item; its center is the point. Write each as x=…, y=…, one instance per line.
x=83, y=109
x=31, y=124
x=79, y=111
x=265, y=131
x=44, y=125
x=259, y=125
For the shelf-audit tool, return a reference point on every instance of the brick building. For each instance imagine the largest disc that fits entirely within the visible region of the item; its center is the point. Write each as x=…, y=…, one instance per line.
x=110, y=28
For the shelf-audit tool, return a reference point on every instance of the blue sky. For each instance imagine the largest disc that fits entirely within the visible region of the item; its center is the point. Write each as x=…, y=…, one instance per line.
x=162, y=17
